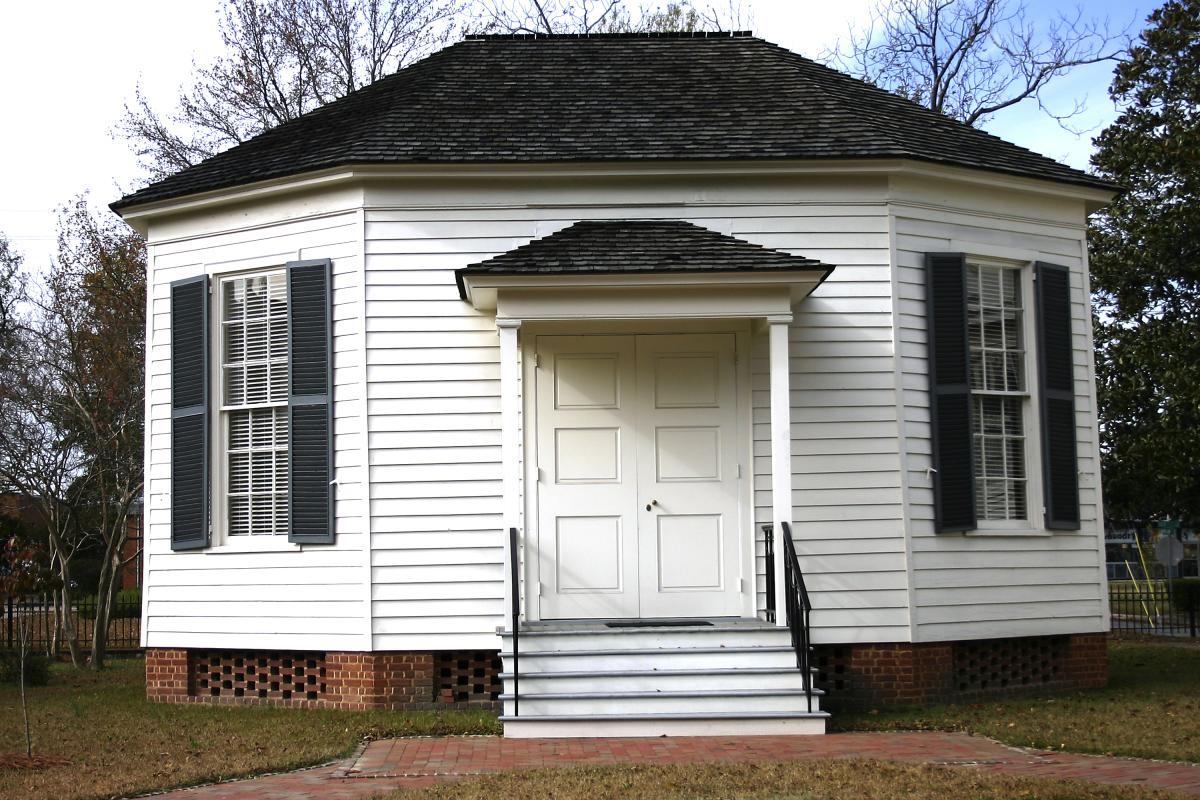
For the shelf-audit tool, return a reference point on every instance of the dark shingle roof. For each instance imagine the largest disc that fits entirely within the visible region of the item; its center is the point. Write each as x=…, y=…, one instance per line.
x=623, y=246
x=524, y=99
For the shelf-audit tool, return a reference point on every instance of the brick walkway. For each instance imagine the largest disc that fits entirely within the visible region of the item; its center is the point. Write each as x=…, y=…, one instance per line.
x=413, y=763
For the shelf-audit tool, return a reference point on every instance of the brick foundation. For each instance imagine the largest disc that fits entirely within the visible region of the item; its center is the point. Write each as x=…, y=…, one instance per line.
x=167, y=675
x=870, y=675
x=344, y=680
x=853, y=676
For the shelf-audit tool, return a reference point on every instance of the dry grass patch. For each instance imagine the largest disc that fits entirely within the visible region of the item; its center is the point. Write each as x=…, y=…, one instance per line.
x=1150, y=709
x=808, y=780
x=118, y=744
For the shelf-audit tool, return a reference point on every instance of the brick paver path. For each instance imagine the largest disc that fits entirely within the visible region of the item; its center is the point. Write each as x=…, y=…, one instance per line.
x=412, y=763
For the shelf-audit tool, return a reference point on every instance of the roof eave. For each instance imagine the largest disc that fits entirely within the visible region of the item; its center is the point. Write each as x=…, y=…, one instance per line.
x=1097, y=193
x=480, y=288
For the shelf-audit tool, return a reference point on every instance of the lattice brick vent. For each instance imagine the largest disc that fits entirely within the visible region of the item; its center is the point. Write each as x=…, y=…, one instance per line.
x=833, y=668
x=467, y=676
x=1004, y=663
x=277, y=676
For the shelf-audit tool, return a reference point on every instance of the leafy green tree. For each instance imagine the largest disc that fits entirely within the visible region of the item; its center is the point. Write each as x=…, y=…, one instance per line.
x=72, y=406
x=1145, y=260
x=95, y=306
x=12, y=291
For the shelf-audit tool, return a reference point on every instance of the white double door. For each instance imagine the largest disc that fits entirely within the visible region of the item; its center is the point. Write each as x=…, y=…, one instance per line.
x=637, y=496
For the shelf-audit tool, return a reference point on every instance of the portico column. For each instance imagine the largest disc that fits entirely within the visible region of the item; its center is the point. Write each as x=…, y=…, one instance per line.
x=510, y=446
x=781, y=449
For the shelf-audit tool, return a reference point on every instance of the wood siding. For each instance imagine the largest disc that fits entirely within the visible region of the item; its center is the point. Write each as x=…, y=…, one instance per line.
x=987, y=583
x=418, y=563
x=292, y=597
x=434, y=404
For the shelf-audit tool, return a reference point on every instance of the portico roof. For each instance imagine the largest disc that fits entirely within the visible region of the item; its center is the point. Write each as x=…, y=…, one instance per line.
x=630, y=247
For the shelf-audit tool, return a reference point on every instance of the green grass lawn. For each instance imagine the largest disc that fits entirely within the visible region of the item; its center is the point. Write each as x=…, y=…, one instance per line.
x=119, y=744
x=1150, y=709
x=810, y=780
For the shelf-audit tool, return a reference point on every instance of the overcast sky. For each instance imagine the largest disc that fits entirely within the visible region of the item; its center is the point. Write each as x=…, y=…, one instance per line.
x=68, y=67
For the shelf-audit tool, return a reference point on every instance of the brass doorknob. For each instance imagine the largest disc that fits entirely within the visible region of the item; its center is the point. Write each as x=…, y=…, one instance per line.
x=651, y=504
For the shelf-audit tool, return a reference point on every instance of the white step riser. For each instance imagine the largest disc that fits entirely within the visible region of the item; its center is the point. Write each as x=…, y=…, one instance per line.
x=561, y=729
x=650, y=682
x=532, y=663
x=653, y=704
x=653, y=639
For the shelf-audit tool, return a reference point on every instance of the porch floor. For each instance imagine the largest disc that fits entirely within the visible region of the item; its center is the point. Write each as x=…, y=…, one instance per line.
x=618, y=624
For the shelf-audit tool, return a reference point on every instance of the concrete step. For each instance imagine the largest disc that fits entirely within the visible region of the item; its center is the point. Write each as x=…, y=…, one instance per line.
x=625, y=704
x=720, y=658
x=657, y=680
x=601, y=638
x=644, y=725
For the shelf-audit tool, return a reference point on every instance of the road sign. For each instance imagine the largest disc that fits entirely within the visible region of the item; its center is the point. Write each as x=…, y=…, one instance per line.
x=1169, y=551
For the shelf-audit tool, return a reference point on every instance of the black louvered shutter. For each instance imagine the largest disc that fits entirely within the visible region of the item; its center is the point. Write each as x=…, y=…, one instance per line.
x=1060, y=471
x=950, y=392
x=310, y=403
x=189, y=414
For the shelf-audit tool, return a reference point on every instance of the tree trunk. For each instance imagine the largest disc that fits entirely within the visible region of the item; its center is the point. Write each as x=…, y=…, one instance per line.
x=106, y=591
x=69, y=633
x=25, y=646
x=55, y=626
x=105, y=596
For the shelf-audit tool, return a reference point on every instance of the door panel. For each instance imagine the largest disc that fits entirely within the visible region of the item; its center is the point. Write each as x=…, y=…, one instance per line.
x=687, y=476
x=638, y=505
x=587, y=525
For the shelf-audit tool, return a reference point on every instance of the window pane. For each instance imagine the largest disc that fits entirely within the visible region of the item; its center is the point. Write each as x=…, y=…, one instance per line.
x=999, y=458
x=239, y=515
x=254, y=319
x=1011, y=295
x=994, y=320
x=255, y=375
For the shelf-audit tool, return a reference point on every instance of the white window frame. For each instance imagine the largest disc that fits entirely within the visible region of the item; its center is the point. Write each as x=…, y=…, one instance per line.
x=1034, y=523
x=222, y=541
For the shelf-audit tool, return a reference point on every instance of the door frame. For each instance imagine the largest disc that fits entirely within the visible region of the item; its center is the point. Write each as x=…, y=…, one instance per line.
x=742, y=330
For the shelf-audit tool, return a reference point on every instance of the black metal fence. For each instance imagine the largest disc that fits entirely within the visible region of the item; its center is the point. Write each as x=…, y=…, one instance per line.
x=46, y=627
x=1151, y=607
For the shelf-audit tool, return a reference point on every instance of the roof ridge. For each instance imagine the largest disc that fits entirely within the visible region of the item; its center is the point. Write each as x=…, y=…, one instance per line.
x=878, y=125
x=485, y=37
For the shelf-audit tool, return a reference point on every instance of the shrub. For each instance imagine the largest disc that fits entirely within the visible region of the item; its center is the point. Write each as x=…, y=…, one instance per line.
x=37, y=668
x=128, y=605
x=1186, y=592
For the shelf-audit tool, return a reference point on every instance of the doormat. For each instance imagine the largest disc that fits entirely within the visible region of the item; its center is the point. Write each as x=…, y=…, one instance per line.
x=661, y=623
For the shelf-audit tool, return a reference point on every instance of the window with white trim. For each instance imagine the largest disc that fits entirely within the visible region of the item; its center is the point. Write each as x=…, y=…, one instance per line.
x=999, y=391
x=254, y=403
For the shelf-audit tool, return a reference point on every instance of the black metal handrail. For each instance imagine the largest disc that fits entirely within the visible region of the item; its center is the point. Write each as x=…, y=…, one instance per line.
x=769, y=559
x=796, y=602
x=514, y=566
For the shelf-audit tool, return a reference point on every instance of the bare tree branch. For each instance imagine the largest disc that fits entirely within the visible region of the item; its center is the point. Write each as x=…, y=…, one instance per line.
x=605, y=16
x=969, y=59
x=282, y=59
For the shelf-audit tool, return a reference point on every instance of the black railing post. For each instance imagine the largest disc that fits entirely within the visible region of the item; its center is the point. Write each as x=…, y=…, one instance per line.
x=798, y=610
x=514, y=558
x=769, y=562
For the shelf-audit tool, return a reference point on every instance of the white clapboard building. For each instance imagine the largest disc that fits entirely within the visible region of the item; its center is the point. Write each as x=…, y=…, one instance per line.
x=721, y=387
